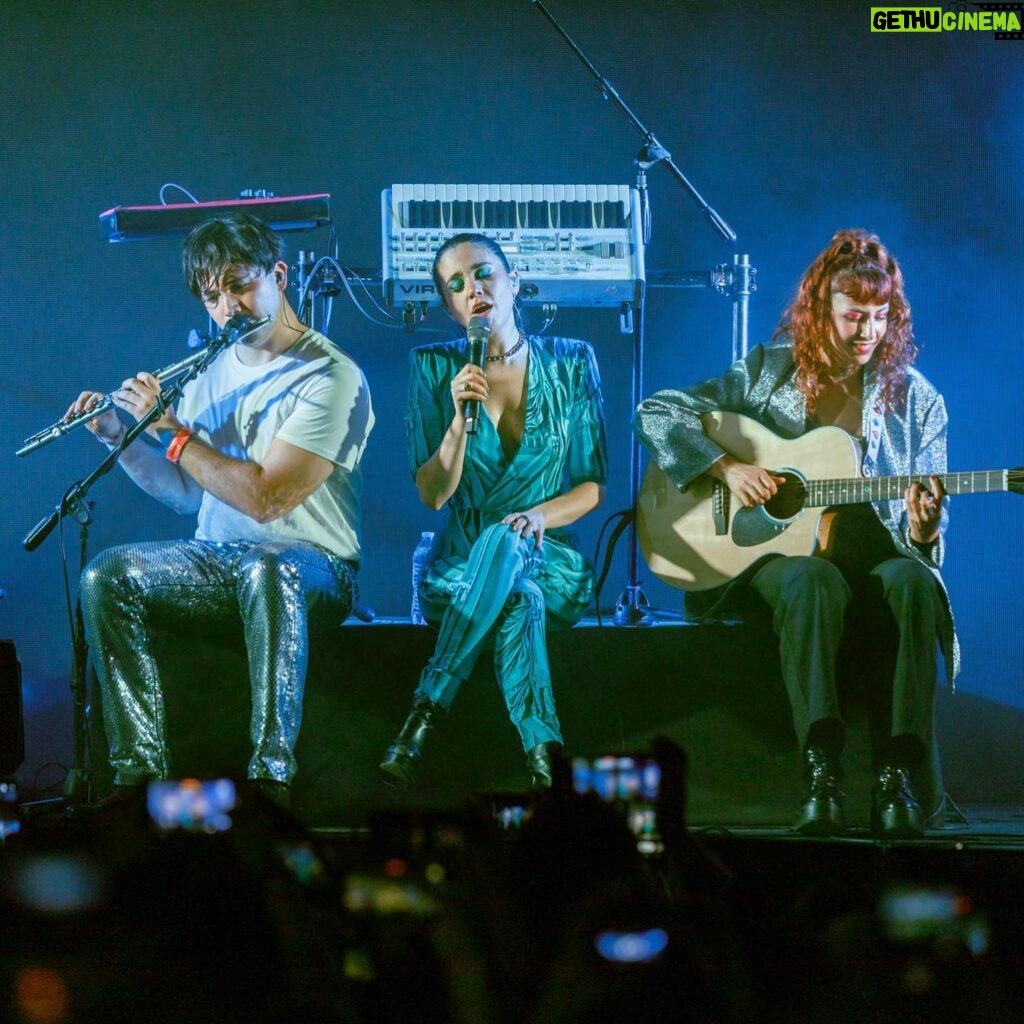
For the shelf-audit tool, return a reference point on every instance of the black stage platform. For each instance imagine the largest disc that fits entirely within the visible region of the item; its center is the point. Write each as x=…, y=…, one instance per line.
x=373, y=906
x=712, y=687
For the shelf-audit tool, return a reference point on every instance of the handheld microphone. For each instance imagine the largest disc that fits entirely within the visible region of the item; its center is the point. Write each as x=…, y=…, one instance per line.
x=478, y=333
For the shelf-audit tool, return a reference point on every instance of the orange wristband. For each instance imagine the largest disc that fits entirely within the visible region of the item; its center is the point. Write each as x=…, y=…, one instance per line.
x=180, y=439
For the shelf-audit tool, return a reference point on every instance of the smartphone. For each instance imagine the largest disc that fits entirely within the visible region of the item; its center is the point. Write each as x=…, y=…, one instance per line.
x=191, y=805
x=508, y=811
x=638, y=946
x=632, y=782
x=918, y=914
x=618, y=777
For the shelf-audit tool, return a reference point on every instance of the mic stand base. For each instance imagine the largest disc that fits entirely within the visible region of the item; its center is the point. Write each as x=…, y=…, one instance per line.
x=77, y=790
x=32, y=809
x=632, y=609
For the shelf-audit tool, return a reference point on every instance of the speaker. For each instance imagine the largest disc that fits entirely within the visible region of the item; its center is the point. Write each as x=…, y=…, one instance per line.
x=12, y=726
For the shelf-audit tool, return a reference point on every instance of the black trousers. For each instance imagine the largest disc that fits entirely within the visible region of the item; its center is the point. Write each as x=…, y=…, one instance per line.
x=872, y=638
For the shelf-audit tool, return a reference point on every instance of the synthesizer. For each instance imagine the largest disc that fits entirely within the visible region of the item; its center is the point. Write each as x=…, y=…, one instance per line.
x=572, y=245
x=282, y=213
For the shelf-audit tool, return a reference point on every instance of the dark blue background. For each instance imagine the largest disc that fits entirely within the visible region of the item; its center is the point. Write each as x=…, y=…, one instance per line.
x=792, y=119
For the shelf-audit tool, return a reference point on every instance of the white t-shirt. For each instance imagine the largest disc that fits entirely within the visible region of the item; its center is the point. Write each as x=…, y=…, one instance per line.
x=314, y=397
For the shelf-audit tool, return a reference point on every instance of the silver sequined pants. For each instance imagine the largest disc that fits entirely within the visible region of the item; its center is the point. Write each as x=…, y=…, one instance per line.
x=284, y=592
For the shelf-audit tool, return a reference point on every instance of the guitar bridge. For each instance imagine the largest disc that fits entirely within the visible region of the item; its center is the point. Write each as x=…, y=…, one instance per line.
x=720, y=508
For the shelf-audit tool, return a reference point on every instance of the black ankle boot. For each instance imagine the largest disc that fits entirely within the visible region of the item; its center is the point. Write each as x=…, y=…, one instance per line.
x=541, y=764
x=123, y=801
x=822, y=810
x=279, y=793
x=401, y=763
x=895, y=813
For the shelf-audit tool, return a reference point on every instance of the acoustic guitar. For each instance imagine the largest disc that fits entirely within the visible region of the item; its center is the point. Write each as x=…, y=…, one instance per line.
x=702, y=537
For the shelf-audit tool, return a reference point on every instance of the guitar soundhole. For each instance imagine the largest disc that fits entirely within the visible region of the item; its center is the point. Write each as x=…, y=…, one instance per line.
x=790, y=498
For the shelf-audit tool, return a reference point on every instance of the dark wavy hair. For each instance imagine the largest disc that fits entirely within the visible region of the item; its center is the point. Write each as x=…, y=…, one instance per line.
x=238, y=239
x=858, y=265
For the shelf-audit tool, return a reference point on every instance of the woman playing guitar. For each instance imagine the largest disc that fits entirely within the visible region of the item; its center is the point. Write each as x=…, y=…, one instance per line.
x=863, y=619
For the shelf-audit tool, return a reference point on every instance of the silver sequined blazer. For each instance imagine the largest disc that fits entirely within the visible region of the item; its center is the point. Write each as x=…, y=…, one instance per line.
x=761, y=386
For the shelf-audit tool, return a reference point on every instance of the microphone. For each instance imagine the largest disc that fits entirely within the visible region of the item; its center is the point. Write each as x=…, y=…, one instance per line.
x=197, y=339
x=478, y=332
x=237, y=328
x=233, y=329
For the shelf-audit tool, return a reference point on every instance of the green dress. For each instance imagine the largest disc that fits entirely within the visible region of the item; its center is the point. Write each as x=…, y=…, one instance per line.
x=485, y=583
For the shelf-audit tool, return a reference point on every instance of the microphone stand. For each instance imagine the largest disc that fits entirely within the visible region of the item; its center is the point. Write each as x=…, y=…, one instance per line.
x=653, y=151
x=303, y=272
x=74, y=503
x=76, y=785
x=631, y=608
x=315, y=278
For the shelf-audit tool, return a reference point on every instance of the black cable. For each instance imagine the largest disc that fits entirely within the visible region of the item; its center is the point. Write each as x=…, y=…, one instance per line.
x=625, y=517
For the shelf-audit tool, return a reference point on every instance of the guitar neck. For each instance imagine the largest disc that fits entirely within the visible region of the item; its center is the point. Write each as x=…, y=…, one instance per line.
x=853, y=491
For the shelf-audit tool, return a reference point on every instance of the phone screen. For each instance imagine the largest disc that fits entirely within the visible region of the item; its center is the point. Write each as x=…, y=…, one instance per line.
x=632, y=781
x=631, y=777
x=191, y=804
x=508, y=811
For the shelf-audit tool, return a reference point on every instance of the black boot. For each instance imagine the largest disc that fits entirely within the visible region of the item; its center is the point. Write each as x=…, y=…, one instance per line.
x=279, y=793
x=541, y=763
x=822, y=810
x=895, y=813
x=401, y=763
x=122, y=802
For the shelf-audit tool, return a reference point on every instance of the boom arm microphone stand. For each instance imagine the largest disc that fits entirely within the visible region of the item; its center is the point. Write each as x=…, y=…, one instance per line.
x=632, y=609
x=75, y=504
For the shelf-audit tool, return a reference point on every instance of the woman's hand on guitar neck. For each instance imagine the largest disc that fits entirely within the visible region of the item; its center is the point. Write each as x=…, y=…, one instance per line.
x=753, y=485
x=924, y=510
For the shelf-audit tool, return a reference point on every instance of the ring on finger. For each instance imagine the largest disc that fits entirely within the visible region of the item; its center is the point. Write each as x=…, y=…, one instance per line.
x=465, y=387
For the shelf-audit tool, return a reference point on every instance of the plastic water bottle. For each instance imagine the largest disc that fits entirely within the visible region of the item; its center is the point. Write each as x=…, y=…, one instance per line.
x=419, y=564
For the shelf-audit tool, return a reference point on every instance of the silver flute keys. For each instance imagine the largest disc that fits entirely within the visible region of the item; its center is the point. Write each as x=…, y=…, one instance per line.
x=237, y=328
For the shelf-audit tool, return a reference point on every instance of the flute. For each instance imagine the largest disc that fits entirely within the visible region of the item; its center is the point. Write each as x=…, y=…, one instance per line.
x=235, y=329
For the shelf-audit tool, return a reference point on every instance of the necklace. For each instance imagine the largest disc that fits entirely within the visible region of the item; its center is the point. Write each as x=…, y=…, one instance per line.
x=505, y=356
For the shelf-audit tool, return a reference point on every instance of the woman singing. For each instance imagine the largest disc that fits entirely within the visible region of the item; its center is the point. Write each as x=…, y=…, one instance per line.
x=504, y=565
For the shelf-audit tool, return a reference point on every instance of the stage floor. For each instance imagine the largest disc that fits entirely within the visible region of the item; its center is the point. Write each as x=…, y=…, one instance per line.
x=975, y=826
x=984, y=826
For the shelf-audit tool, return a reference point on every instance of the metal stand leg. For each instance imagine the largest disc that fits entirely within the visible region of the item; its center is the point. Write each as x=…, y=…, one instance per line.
x=78, y=780
x=304, y=270
x=737, y=280
x=632, y=608
x=76, y=785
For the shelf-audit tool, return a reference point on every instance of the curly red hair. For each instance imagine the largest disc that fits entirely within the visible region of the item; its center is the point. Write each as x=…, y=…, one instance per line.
x=858, y=265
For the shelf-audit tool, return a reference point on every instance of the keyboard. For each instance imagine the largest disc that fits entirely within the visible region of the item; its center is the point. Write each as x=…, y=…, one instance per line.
x=573, y=245
x=282, y=213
